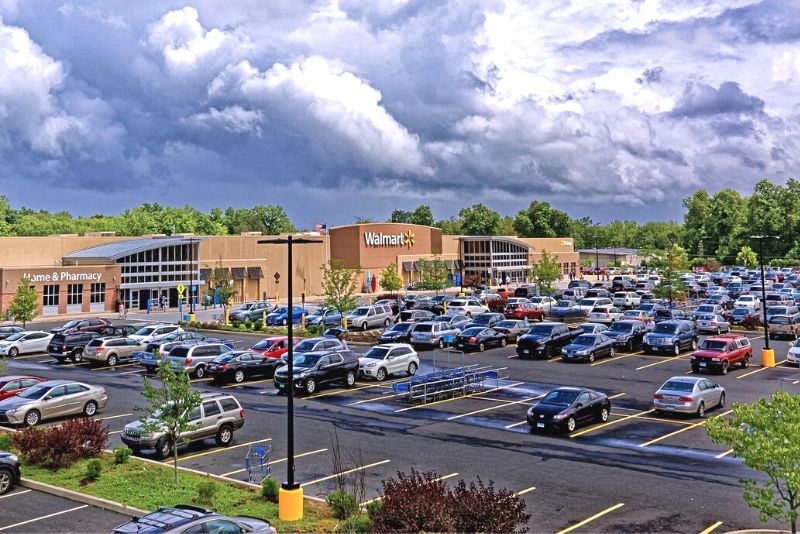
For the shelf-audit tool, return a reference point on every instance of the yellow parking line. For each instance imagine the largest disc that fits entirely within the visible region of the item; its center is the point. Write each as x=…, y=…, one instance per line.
x=445, y=477
x=666, y=360
x=526, y=490
x=113, y=366
x=458, y=398
x=279, y=460
x=246, y=383
x=323, y=479
x=200, y=380
x=712, y=528
x=597, y=427
x=554, y=359
x=724, y=454
x=684, y=429
x=615, y=358
x=221, y=449
x=617, y=395
x=592, y=518
x=759, y=370
x=29, y=356
x=44, y=517
x=490, y=408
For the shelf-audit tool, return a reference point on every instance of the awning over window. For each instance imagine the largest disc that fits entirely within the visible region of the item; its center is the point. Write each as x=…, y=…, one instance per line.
x=255, y=273
x=408, y=266
x=238, y=273
x=205, y=274
x=225, y=271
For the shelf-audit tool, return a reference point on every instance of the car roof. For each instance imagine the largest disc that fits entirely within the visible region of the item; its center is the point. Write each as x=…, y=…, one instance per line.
x=392, y=345
x=630, y=321
x=275, y=338
x=59, y=382
x=686, y=379
x=9, y=378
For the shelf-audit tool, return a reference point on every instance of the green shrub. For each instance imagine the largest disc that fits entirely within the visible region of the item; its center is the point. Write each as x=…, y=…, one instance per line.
x=5, y=442
x=257, y=324
x=357, y=523
x=121, y=454
x=269, y=489
x=343, y=503
x=206, y=491
x=93, y=468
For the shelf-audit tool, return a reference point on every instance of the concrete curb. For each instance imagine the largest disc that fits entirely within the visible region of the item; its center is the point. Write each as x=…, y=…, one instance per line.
x=91, y=500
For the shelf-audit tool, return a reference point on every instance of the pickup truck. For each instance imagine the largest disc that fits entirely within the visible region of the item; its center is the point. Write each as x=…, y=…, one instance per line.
x=720, y=352
x=545, y=340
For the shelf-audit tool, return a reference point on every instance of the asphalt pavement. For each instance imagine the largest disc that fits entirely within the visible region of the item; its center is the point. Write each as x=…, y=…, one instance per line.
x=26, y=511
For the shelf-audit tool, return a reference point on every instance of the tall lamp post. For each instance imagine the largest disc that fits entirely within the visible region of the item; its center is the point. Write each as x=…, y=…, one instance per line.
x=290, y=496
x=767, y=354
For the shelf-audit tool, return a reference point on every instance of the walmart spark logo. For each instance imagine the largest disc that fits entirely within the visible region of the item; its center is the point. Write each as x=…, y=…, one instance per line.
x=409, y=238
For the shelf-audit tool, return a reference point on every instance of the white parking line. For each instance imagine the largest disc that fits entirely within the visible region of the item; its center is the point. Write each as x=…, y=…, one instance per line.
x=490, y=408
x=437, y=479
x=14, y=494
x=114, y=416
x=44, y=517
x=416, y=407
x=132, y=372
x=526, y=490
x=279, y=460
x=353, y=470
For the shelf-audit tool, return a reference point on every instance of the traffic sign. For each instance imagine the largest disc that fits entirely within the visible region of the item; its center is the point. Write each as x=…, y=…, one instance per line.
x=194, y=288
x=181, y=288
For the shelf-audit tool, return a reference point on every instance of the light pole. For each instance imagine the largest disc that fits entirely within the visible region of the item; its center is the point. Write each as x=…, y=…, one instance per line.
x=767, y=355
x=290, y=496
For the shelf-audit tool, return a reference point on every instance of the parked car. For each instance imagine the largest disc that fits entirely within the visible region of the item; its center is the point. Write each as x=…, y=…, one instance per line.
x=64, y=346
x=240, y=365
x=748, y=301
x=638, y=315
x=397, y=333
x=249, y=310
x=543, y=303
x=713, y=323
x=456, y=321
x=707, y=309
x=10, y=474
x=782, y=310
x=194, y=359
x=271, y=347
x=667, y=314
x=487, y=319
x=479, y=338
x=626, y=299
x=544, y=340
x=523, y=310
x=317, y=344
x=784, y=326
x=121, y=330
x=466, y=306
x=217, y=416
x=183, y=518
x=719, y=353
x=793, y=356
x=416, y=316
x=566, y=309
x=83, y=325
x=325, y=317
x=627, y=334
x=723, y=300
x=589, y=328
x=160, y=343
x=366, y=317
x=6, y=331
x=51, y=399
x=280, y=316
x=688, y=394
x=513, y=328
x=741, y=315
x=565, y=408
x=314, y=369
x=588, y=347
x=434, y=333
x=390, y=359
x=670, y=336
x=605, y=315
x=15, y=384
x=148, y=333
x=25, y=342
x=112, y=350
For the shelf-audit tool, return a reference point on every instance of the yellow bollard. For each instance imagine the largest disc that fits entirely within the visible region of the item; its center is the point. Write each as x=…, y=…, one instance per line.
x=444, y=307
x=192, y=318
x=290, y=504
x=344, y=322
x=263, y=318
x=767, y=358
x=227, y=318
x=302, y=320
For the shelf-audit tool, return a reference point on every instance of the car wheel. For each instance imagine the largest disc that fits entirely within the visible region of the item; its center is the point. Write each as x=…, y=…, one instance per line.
x=112, y=360
x=629, y=346
x=150, y=370
x=440, y=343
x=60, y=360
x=591, y=357
x=571, y=424
x=90, y=408
x=364, y=326
x=695, y=369
x=381, y=375
x=6, y=480
x=719, y=331
x=224, y=436
x=311, y=386
x=722, y=400
x=412, y=368
x=284, y=322
x=163, y=448
x=386, y=322
x=503, y=342
x=724, y=370
x=33, y=417
x=200, y=372
x=694, y=344
x=746, y=362
x=604, y=414
x=701, y=410
x=350, y=378
x=469, y=315
x=77, y=356
x=612, y=353
x=676, y=349
x=481, y=347
x=238, y=376
x=13, y=351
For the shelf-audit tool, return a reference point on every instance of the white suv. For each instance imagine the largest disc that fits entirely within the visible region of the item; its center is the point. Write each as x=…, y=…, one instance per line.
x=149, y=333
x=466, y=306
x=388, y=359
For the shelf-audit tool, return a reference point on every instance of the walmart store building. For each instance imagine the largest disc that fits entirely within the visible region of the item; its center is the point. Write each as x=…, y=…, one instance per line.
x=92, y=273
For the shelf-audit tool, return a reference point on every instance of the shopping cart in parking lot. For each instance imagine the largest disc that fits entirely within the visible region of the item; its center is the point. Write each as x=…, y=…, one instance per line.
x=257, y=463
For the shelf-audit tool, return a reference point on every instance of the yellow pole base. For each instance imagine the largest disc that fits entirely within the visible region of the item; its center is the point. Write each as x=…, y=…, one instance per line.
x=767, y=358
x=290, y=504
x=227, y=317
x=192, y=318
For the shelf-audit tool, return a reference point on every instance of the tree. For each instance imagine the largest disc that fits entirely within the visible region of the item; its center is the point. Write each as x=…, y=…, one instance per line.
x=433, y=274
x=670, y=263
x=747, y=257
x=698, y=208
x=390, y=279
x=400, y=216
x=221, y=286
x=545, y=272
x=479, y=220
x=170, y=406
x=766, y=435
x=542, y=220
x=423, y=215
x=339, y=285
x=23, y=305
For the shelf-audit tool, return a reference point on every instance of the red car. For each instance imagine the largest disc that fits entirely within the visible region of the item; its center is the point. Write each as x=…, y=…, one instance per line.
x=523, y=310
x=11, y=385
x=271, y=347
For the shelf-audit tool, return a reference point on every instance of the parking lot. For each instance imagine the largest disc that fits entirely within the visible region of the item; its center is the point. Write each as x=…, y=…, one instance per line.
x=26, y=510
x=638, y=471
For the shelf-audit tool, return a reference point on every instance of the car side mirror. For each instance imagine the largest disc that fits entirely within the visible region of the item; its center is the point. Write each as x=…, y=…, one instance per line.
x=48, y=397
x=579, y=405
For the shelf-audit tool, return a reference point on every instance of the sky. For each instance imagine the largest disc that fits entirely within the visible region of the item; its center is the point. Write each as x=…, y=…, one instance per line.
x=337, y=109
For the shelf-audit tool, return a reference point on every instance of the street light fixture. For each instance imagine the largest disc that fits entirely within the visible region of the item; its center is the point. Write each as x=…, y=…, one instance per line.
x=767, y=355
x=290, y=499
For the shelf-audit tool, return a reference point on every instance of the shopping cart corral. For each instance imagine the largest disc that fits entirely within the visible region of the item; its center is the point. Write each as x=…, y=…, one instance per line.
x=448, y=383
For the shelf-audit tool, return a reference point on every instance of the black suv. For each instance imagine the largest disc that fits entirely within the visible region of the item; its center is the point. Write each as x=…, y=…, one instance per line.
x=545, y=340
x=183, y=518
x=63, y=346
x=312, y=369
x=9, y=471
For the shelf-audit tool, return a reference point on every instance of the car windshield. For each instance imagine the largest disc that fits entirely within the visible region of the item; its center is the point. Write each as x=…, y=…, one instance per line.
x=536, y=300
x=483, y=319
x=305, y=345
x=306, y=360
x=361, y=311
x=506, y=324
x=224, y=359
x=377, y=353
x=280, y=310
x=560, y=398
x=632, y=313
x=36, y=392
x=665, y=329
x=401, y=327
x=564, y=304
x=746, y=298
x=541, y=330
x=677, y=385
x=474, y=331
x=588, y=302
x=701, y=309
x=264, y=344
x=146, y=331
x=423, y=327
x=705, y=317
x=779, y=319
x=621, y=327
x=71, y=324
x=14, y=337
x=647, y=307
x=319, y=311
x=710, y=344
x=584, y=340
x=740, y=311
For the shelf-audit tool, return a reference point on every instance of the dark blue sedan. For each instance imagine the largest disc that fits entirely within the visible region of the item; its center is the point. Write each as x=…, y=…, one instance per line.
x=479, y=338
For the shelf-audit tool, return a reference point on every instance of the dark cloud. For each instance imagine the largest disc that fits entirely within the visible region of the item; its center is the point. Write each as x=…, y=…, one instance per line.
x=653, y=75
x=700, y=100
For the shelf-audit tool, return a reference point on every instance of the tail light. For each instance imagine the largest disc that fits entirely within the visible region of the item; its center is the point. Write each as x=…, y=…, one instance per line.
x=224, y=367
x=658, y=396
x=187, y=361
x=102, y=391
x=685, y=399
x=100, y=349
x=473, y=339
x=241, y=413
x=63, y=348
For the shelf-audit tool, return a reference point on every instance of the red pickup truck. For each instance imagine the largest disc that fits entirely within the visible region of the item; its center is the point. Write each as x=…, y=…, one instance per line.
x=719, y=353
x=523, y=310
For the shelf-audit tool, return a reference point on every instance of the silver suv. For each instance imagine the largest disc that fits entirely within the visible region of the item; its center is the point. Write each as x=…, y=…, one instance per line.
x=369, y=316
x=217, y=416
x=194, y=359
x=112, y=350
x=432, y=333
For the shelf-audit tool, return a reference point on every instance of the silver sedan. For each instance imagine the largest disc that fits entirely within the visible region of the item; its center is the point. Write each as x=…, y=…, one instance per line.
x=713, y=323
x=688, y=394
x=52, y=399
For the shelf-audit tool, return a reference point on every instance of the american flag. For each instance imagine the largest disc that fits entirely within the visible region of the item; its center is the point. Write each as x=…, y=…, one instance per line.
x=321, y=227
